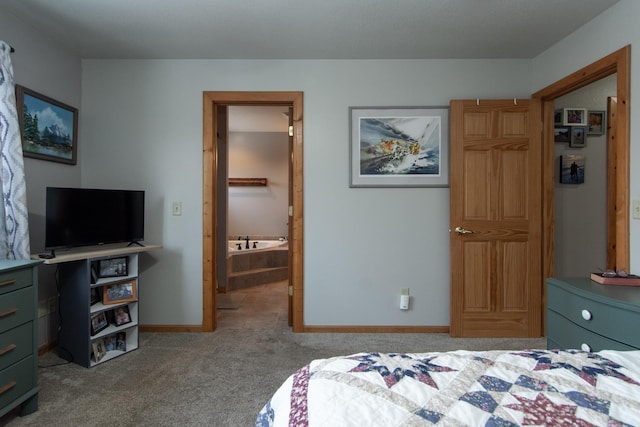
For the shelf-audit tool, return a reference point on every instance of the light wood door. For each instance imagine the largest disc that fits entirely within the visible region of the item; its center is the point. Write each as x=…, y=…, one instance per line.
x=496, y=252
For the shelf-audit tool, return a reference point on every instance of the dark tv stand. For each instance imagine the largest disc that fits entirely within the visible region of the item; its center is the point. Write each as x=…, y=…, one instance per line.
x=79, y=302
x=136, y=243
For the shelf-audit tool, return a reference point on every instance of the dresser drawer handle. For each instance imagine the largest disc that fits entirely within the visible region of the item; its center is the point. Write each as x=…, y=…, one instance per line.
x=9, y=312
x=585, y=347
x=586, y=315
x=8, y=282
x=8, y=349
x=8, y=386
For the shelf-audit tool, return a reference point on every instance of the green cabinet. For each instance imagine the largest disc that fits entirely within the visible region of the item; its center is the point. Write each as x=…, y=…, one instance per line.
x=18, y=336
x=583, y=314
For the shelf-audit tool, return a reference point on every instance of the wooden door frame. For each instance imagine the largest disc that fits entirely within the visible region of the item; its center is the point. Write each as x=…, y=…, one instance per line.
x=210, y=199
x=619, y=63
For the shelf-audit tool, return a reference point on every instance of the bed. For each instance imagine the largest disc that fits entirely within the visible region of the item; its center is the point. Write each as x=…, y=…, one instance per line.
x=478, y=388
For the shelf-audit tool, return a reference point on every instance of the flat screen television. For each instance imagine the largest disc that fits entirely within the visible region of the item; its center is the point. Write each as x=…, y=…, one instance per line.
x=87, y=217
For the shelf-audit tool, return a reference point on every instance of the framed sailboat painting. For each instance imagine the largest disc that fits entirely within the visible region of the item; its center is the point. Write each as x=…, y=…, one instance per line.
x=399, y=146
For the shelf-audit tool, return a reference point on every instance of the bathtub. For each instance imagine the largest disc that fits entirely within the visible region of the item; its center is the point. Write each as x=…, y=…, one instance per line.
x=267, y=263
x=260, y=245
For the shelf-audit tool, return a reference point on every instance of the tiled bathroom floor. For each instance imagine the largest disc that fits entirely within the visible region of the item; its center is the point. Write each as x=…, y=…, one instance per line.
x=265, y=306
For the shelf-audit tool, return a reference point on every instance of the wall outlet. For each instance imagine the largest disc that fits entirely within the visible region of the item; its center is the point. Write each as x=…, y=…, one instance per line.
x=404, y=299
x=404, y=302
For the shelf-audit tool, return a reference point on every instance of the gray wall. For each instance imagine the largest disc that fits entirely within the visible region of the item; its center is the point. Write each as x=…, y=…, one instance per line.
x=261, y=211
x=44, y=67
x=362, y=245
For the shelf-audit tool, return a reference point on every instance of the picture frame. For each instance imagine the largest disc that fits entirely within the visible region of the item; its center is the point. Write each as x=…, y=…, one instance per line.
x=110, y=342
x=574, y=117
x=49, y=128
x=596, y=122
x=399, y=146
x=572, y=169
x=94, y=295
x=120, y=292
x=99, y=349
x=121, y=341
x=557, y=117
x=578, y=136
x=99, y=322
x=562, y=134
x=121, y=315
x=113, y=267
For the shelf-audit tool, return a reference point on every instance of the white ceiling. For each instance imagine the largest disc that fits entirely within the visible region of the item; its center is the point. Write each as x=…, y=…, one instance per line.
x=305, y=29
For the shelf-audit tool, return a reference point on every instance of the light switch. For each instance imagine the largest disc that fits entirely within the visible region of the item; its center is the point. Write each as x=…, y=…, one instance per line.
x=176, y=208
x=636, y=209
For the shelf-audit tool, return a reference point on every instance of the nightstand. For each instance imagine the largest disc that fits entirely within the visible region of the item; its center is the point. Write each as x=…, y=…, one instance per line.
x=583, y=314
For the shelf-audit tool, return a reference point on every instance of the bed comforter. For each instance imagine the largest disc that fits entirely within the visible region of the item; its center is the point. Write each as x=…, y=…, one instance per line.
x=490, y=388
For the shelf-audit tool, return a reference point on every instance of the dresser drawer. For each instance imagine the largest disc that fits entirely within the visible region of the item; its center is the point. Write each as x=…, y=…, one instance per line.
x=562, y=330
x=15, y=279
x=16, y=380
x=609, y=321
x=16, y=308
x=16, y=344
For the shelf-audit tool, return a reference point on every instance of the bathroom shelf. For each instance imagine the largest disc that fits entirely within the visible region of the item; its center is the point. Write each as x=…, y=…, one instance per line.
x=247, y=182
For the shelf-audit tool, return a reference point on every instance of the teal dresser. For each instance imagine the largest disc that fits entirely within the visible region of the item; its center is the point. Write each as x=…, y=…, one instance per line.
x=18, y=336
x=583, y=314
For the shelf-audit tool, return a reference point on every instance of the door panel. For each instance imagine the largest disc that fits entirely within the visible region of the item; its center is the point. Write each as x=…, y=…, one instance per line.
x=496, y=275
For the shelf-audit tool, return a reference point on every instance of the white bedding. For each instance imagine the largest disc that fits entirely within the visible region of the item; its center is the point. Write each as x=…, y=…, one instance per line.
x=491, y=388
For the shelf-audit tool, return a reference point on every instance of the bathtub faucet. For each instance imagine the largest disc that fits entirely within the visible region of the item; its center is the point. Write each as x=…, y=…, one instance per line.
x=246, y=239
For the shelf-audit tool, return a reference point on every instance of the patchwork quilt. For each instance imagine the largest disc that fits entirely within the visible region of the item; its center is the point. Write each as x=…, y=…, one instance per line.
x=462, y=388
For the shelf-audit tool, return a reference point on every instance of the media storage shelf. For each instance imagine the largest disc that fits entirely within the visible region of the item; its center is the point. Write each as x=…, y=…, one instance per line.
x=98, y=314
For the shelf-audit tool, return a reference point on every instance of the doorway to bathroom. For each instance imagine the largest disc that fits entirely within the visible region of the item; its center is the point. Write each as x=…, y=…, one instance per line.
x=216, y=185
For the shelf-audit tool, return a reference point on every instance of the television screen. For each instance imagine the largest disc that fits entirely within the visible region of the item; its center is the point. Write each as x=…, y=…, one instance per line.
x=87, y=217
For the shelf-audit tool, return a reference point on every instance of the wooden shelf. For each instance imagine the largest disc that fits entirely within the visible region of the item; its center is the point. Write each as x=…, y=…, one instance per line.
x=247, y=182
x=101, y=251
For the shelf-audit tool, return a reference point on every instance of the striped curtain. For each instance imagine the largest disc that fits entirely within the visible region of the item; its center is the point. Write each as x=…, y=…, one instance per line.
x=14, y=220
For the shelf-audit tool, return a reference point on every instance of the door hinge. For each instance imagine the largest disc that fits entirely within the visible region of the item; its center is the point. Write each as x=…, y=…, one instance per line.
x=290, y=291
x=290, y=210
x=291, y=130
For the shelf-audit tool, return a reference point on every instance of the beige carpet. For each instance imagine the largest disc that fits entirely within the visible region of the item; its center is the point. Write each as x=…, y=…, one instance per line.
x=229, y=301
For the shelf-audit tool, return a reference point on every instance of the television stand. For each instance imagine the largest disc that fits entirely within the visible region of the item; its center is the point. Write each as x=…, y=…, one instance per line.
x=135, y=243
x=98, y=301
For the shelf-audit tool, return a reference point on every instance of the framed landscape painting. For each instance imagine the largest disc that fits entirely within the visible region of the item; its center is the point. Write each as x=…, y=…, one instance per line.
x=49, y=128
x=399, y=147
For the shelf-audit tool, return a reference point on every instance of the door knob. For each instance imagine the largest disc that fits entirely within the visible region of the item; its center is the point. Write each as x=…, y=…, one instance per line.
x=461, y=230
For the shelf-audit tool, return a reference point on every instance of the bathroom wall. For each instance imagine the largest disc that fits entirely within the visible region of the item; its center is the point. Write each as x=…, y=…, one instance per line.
x=259, y=211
